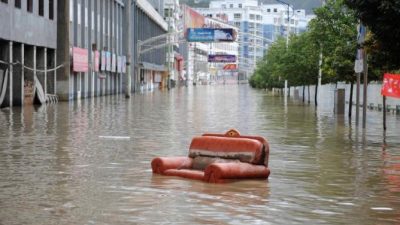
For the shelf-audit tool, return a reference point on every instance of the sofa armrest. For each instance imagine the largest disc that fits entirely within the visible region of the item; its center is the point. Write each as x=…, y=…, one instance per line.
x=218, y=172
x=160, y=164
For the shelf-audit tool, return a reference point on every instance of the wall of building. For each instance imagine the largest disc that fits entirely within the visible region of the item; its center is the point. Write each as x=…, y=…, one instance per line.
x=150, y=65
x=27, y=46
x=21, y=25
x=91, y=25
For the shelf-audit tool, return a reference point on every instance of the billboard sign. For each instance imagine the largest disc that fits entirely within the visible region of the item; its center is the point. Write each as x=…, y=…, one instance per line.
x=103, y=61
x=391, y=85
x=230, y=67
x=192, y=18
x=96, y=61
x=80, y=59
x=210, y=35
x=222, y=58
x=113, y=62
x=108, y=61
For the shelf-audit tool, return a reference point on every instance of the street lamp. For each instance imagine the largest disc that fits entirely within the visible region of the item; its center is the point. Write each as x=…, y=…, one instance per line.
x=287, y=34
x=288, y=20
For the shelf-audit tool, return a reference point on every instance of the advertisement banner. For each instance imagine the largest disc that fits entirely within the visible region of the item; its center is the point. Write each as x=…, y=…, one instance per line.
x=192, y=18
x=123, y=64
x=230, y=67
x=108, y=61
x=113, y=63
x=80, y=60
x=391, y=85
x=221, y=58
x=119, y=64
x=96, y=63
x=103, y=61
x=210, y=35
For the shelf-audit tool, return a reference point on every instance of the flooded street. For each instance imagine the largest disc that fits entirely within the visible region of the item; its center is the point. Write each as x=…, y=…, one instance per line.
x=59, y=165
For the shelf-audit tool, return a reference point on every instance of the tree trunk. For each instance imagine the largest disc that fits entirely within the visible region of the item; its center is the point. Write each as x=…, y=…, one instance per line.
x=309, y=97
x=351, y=98
x=304, y=89
x=316, y=94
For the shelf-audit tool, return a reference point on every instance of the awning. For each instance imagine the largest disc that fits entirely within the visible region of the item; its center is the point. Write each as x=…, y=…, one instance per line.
x=152, y=66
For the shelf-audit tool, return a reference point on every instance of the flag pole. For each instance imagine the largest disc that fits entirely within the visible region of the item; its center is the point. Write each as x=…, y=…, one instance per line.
x=384, y=113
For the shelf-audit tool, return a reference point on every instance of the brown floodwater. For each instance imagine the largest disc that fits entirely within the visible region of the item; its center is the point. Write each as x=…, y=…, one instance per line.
x=88, y=162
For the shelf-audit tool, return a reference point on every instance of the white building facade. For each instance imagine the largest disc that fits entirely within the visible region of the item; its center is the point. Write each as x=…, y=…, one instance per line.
x=259, y=26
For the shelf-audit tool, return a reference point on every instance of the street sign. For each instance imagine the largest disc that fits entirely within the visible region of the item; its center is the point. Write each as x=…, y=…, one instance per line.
x=210, y=35
x=359, y=63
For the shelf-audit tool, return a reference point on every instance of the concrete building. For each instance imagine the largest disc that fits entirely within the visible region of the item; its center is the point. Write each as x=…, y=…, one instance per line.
x=74, y=49
x=97, y=28
x=150, y=67
x=27, y=50
x=173, y=59
x=221, y=72
x=90, y=31
x=259, y=25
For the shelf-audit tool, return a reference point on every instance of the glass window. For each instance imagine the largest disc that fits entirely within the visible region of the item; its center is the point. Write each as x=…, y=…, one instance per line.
x=30, y=5
x=231, y=6
x=51, y=9
x=252, y=16
x=41, y=8
x=18, y=4
x=237, y=16
x=268, y=10
x=275, y=10
x=5, y=1
x=240, y=5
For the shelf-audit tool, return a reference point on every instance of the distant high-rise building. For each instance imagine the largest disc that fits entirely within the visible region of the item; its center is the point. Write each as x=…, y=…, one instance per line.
x=259, y=25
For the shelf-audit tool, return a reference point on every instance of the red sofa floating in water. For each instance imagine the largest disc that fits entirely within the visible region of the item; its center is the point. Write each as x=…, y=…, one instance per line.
x=218, y=158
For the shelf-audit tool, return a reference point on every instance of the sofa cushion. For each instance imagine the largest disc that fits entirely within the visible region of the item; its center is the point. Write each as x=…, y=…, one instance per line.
x=243, y=149
x=201, y=162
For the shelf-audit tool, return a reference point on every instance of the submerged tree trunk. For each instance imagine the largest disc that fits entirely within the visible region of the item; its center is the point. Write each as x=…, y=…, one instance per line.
x=304, y=90
x=351, y=98
x=309, y=97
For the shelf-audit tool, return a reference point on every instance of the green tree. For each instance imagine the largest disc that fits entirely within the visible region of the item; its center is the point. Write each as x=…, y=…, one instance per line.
x=381, y=18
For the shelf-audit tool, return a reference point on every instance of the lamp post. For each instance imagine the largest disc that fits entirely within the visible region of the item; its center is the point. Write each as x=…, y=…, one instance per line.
x=287, y=34
x=288, y=20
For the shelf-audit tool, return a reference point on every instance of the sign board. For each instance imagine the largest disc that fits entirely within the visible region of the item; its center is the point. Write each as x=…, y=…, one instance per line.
x=123, y=64
x=391, y=85
x=230, y=67
x=108, y=61
x=80, y=60
x=119, y=64
x=96, y=61
x=221, y=58
x=359, y=62
x=211, y=35
x=103, y=61
x=113, y=63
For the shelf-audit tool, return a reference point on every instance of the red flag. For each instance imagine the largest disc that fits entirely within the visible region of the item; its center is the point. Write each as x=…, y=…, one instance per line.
x=391, y=85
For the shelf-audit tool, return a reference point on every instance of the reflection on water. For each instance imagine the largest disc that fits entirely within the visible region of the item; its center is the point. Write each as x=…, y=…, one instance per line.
x=56, y=167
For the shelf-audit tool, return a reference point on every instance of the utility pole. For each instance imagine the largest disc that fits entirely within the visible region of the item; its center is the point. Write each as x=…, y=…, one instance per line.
x=128, y=47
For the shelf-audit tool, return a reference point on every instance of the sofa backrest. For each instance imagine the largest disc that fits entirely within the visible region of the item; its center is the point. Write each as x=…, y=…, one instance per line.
x=244, y=149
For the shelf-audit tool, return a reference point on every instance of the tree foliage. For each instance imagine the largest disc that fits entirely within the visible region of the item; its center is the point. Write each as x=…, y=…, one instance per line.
x=381, y=18
x=332, y=31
